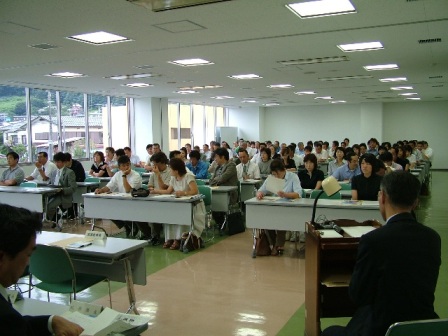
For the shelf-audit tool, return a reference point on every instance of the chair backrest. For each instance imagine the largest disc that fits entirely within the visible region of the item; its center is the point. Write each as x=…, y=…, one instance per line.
x=314, y=194
x=200, y=182
x=92, y=179
x=144, y=186
x=346, y=186
x=207, y=192
x=437, y=327
x=51, y=264
x=28, y=184
x=139, y=170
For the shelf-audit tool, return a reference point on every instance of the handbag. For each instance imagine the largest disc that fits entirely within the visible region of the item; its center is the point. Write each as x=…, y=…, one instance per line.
x=189, y=242
x=262, y=247
x=235, y=223
x=140, y=192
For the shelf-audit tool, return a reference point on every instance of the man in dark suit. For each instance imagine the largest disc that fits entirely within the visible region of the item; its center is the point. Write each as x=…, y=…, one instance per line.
x=64, y=178
x=80, y=174
x=397, y=266
x=18, y=229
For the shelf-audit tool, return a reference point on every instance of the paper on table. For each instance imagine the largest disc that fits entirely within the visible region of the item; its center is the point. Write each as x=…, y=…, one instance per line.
x=358, y=231
x=330, y=233
x=274, y=185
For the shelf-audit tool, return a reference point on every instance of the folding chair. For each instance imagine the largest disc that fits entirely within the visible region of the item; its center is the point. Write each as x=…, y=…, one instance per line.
x=436, y=327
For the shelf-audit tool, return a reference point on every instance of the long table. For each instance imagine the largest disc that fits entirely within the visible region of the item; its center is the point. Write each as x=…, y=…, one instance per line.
x=33, y=199
x=121, y=260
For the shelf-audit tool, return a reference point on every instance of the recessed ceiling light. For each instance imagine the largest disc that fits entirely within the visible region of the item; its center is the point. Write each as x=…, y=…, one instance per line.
x=415, y=98
x=338, y=102
x=185, y=92
x=302, y=93
x=138, y=85
x=280, y=86
x=329, y=79
x=324, y=97
x=200, y=87
x=249, y=101
x=66, y=74
x=381, y=67
x=408, y=94
x=399, y=88
x=363, y=46
x=393, y=79
x=271, y=104
x=144, y=75
x=248, y=76
x=99, y=38
x=222, y=97
x=191, y=62
x=320, y=8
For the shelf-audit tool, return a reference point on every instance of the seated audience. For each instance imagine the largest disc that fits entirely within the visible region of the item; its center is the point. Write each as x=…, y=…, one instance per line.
x=246, y=169
x=265, y=163
x=291, y=190
x=338, y=161
x=43, y=170
x=99, y=168
x=311, y=177
x=366, y=185
x=182, y=184
x=289, y=163
x=401, y=158
x=386, y=157
x=397, y=266
x=198, y=167
x=135, y=160
x=14, y=175
x=348, y=171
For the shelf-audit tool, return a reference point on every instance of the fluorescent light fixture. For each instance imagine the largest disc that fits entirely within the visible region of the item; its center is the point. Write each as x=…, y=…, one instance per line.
x=414, y=98
x=66, y=74
x=324, y=98
x=138, y=85
x=222, y=97
x=271, y=104
x=363, y=46
x=249, y=101
x=280, y=86
x=99, y=38
x=338, y=101
x=400, y=88
x=248, y=76
x=329, y=79
x=312, y=9
x=393, y=79
x=200, y=87
x=303, y=93
x=185, y=92
x=191, y=62
x=381, y=67
x=408, y=94
x=143, y=75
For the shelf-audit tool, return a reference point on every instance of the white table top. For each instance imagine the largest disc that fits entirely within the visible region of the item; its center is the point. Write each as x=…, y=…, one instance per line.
x=223, y=189
x=150, y=198
x=321, y=203
x=38, y=190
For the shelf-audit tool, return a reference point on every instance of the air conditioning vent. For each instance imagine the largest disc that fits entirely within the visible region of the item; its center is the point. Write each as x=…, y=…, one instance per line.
x=432, y=40
x=436, y=77
x=43, y=46
x=317, y=60
x=441, y=85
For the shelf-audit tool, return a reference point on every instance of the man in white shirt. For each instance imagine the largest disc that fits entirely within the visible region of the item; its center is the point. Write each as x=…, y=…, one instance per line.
x=20, y=226
x=147, y=163
x=135, y=160
x=207, y=152
x=123, y=181
x=257, y=157
x=43, y=169
x=246, y=169
x=321, y=154
x=298, y=160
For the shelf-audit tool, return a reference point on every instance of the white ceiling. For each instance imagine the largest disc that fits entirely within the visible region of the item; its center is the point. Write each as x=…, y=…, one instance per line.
x=239, y=36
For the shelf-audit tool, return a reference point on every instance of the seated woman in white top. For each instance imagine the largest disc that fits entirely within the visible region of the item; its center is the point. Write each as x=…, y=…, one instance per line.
x=182, y=184
x=338, y=161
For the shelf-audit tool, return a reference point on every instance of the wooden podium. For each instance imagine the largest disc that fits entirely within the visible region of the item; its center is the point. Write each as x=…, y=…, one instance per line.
x=329, y=264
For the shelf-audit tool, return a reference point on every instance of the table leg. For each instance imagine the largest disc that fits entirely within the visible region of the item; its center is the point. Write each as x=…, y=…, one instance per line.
x=130, y=287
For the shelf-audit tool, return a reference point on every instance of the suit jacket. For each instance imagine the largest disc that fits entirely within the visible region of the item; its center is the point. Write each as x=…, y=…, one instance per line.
x=396, y=273
x=14, y=324
x=226, y=175
x=67, y=181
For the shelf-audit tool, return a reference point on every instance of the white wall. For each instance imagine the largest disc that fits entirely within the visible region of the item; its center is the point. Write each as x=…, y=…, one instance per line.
x=359, y=122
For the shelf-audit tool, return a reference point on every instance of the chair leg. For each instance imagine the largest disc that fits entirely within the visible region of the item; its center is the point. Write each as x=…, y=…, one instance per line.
x=48, y=296
x=110, y=295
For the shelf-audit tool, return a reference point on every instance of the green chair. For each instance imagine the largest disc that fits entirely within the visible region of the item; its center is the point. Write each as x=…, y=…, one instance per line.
x=314, y=194
x=346, y=186
x=200, y=182
x=139, y=170
x=436, y=327
x=53, y=266
x=207, y=192
x=144, y=186
x=92, y=179
x=28, y=184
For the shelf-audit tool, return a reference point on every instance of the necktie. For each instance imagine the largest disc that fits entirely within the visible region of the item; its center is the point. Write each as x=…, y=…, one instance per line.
x=58, y=175
x=244, y=169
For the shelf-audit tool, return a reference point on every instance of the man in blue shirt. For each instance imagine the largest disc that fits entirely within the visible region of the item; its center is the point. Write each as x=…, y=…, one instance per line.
x=198, y=167
x=348, y=171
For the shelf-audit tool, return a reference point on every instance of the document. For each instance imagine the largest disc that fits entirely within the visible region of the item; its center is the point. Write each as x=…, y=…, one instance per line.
x=330, y=233
x=358, y=231
x=274, y=185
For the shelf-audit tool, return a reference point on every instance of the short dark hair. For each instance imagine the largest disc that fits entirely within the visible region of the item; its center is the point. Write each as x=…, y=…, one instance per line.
x=339, y=149
x=44, y=154
x=242, y=151
x=312, y=158
x=386, y=157
x=183, y=149
x=362, y=144
x=148, y=146
x=110, y=149
x=174, y=153
x=222, y=152
x=371, y=159
x=14, y=155
x=178, y=165
x=119, y=152
x=267, y=151
x=277, y=165
x=68, y=156
x=159, y=157
x=127, y=148
x=401, y=187
x=101, y=154
x=123, y=160
x=60, y=157
x=308, y=148
x=17, y=227
x=195, y=154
